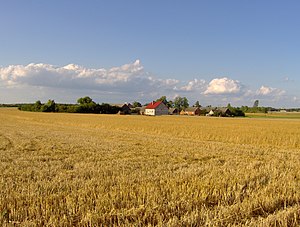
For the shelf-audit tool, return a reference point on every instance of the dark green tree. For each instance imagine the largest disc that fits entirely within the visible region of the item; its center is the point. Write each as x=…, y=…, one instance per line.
x=163, y=99
x=181, y=103
x=167, y=102
x=170, y=104
x=38, y=106
x=197, y=104
x=86, y=105
x=136, y=104
x=84, y=100
x=50, y=106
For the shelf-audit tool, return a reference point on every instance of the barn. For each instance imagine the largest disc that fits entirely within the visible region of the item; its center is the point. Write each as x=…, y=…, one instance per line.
x=124, y=109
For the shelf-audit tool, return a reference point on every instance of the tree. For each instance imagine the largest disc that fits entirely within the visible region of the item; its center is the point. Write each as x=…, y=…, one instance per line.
x=170, y=104
x=50, y=106
x=181, y=103
x=255, y=104
x=230, y=107
x=86, y=105
x=136, y=104
x=37, y=106
x=84, y=100
x=197, y=104
x=163, y=99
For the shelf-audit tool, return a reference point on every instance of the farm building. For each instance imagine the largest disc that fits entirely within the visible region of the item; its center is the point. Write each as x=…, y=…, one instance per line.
x=220, y=112
x=182, y=112
x=124, y=109
x=156, y=108
x=173, y=111
x=129, y=105
x=210, y=113
x=224, y=112
x=192, y=111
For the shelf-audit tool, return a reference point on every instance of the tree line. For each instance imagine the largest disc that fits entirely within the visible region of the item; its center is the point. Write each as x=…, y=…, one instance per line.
x=87, y=105
x=84, y=105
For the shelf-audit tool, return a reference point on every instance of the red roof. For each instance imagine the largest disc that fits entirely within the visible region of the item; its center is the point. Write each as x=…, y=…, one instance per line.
x=153, y=105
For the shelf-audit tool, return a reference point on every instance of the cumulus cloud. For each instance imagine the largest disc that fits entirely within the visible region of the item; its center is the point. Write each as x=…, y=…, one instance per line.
x=27, y=83
x=77, y=77
x=193, y=85
x=267, y=91
x=71, y=75
x=128, y=79
x=223, y=86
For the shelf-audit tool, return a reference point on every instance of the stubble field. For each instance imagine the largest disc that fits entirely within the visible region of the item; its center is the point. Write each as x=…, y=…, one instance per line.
x=109, y=170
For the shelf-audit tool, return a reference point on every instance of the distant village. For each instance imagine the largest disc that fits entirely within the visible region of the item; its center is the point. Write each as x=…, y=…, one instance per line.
x=157, y=108
x=161, y=106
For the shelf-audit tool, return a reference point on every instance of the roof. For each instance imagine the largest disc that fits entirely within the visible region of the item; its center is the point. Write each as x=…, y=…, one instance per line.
x=171, y=110
x=224, y=109
x=153, y=105
x=118, y=104
x=191, y=109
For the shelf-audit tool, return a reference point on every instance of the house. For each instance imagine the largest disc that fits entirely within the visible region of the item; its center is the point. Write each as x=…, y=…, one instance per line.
x=220, y=112
x=173, y=111
x=129, y=105
x=224, y=112
x=192, y=111
x=156, y=108
x=124, y=109
x=182, y=112
x=210, y=113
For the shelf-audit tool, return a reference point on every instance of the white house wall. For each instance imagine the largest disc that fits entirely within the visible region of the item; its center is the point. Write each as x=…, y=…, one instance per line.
x=150, y=112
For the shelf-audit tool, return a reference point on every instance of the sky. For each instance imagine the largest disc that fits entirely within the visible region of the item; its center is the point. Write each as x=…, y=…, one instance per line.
x=115, y=51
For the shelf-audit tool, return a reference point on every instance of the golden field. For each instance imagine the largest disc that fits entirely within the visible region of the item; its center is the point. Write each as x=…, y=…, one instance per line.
x=109, y=170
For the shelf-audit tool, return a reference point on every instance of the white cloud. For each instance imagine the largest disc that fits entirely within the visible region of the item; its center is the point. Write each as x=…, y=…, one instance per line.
x=223, y=86
x=193, y=85
x=28, y=83
x=70, y=75
x=130, y=79
x=269, y=91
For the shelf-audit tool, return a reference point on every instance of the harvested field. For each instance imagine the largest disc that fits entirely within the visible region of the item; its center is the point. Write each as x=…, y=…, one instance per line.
x=111, y=170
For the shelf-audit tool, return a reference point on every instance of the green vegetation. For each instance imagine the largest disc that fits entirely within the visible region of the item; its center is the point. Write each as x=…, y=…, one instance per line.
x=84, y=105
x=279, y=115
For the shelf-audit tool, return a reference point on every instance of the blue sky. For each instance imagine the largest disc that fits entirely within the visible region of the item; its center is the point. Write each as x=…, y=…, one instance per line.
x=217, y=52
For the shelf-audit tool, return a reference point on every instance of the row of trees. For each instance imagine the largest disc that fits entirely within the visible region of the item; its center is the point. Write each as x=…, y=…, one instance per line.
x=84, y=105
x=256, y=108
